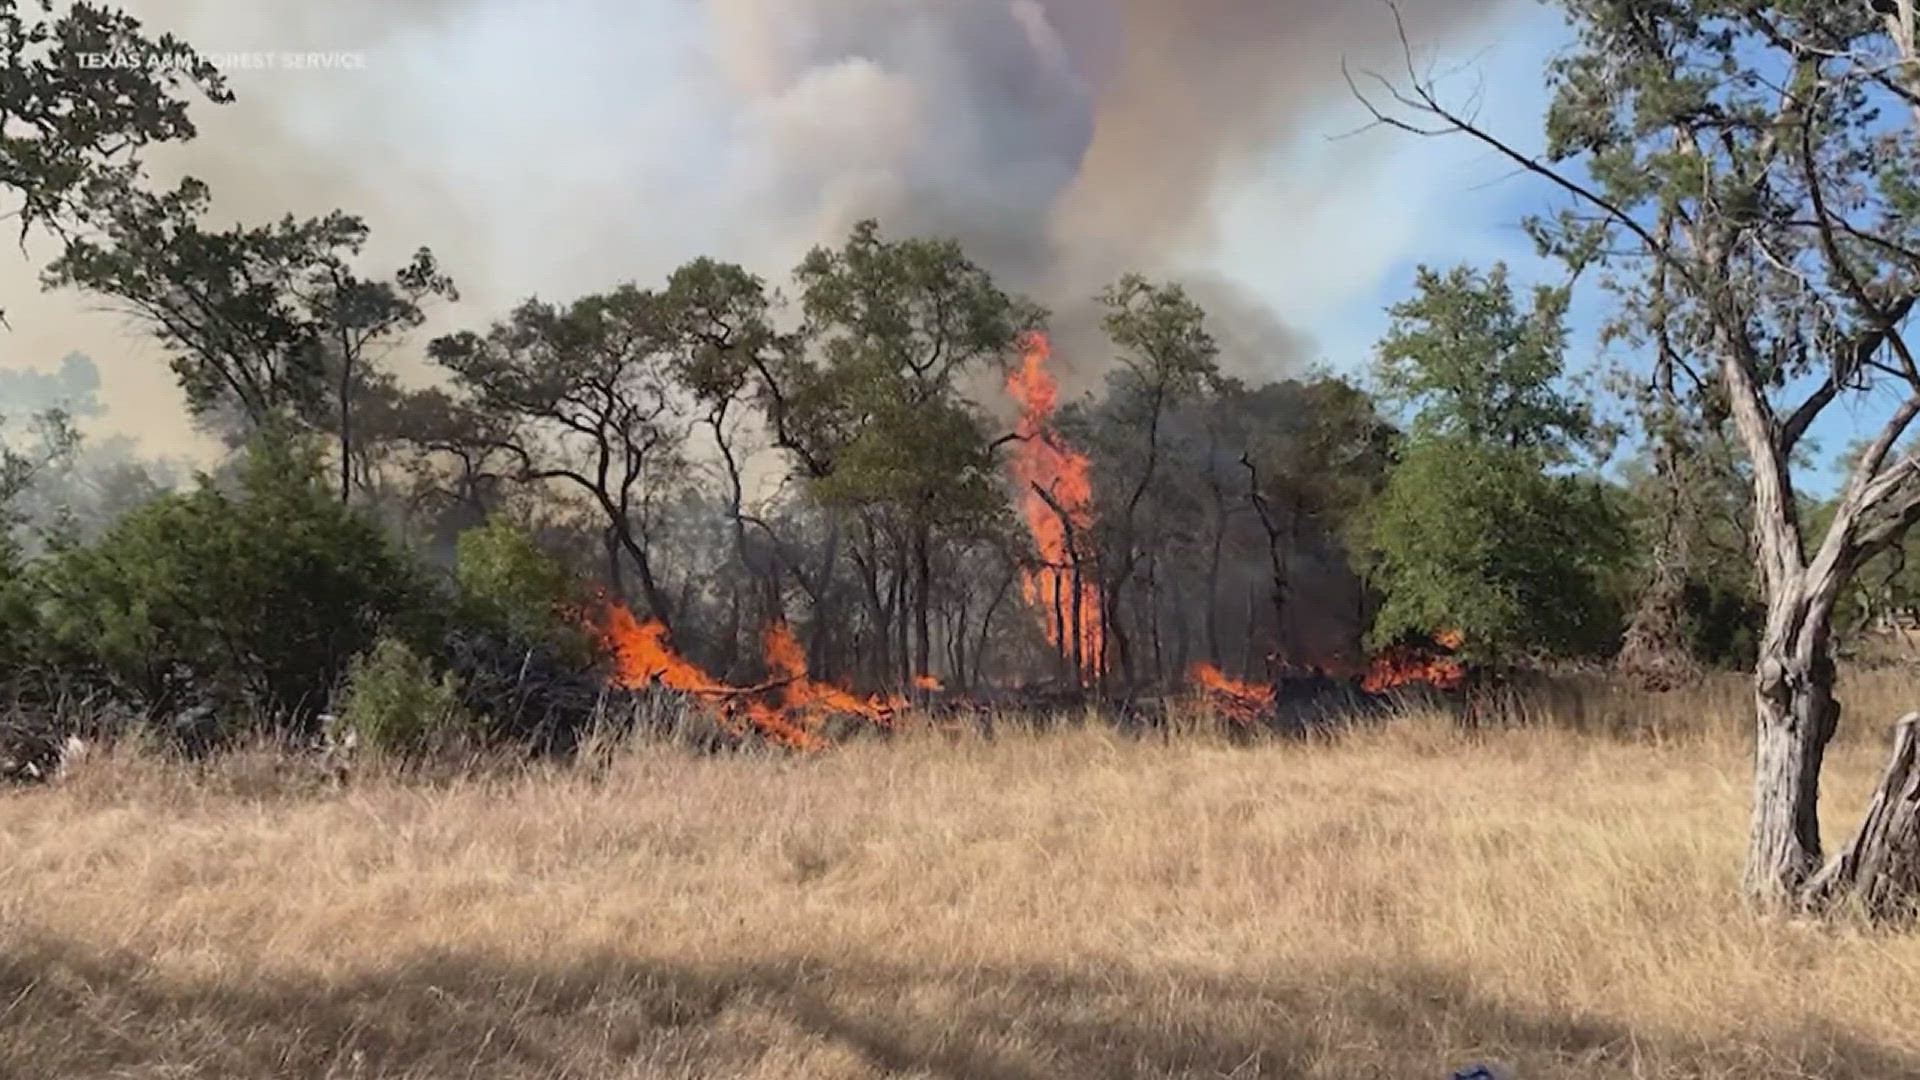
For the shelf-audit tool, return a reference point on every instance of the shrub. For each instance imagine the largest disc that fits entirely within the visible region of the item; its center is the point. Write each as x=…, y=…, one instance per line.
x=250, y=604
x=393, y=703
x=1486, y=541
x=509, y=584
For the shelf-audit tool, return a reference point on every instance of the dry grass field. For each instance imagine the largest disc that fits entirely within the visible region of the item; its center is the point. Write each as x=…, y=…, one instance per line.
x=1399, y=902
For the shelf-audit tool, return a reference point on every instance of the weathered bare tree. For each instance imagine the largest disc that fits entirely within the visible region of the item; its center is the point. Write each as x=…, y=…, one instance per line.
x=1793, y=265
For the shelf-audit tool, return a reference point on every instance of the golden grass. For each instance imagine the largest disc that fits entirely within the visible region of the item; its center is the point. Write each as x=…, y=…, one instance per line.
x=1395, y=903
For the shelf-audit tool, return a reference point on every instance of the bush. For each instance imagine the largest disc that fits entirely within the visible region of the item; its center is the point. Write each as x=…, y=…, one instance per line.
x=233, y=605
x=393, y=703
x=1486, y=541
x=508, y=584
x=17, y=629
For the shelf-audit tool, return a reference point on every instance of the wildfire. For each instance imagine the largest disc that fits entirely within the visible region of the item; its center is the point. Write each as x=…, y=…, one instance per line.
x=789, y=709
x=1406, y=665
x=1043, y=462
x=1243, y=703
x=929, y=683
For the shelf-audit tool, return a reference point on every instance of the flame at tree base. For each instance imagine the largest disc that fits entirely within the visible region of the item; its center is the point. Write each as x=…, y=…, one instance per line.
x=1411, y=664
x=1243, y=703
x=789, y=709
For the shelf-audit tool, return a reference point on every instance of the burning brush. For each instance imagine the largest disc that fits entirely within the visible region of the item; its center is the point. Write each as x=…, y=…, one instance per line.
x=788, y=709
x=1244, y=703
x=1431, y=663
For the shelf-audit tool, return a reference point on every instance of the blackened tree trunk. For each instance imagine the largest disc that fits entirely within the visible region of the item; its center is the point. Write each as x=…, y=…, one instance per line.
x=922, y=662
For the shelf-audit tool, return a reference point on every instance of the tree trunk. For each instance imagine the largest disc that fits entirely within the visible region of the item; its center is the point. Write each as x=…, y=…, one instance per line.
x=346, y=430
x=1154, y=606
x=1796, y=717
x=1880, y=869
x=825, y=613
x=922, y=662
x=986, y=626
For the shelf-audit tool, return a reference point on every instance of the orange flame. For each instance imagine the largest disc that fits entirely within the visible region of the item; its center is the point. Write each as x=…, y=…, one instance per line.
x=1243, y=703
x=1406, y=665
x=788, y=710
x=816, y=701
x=1044, y=461
x=928, y=682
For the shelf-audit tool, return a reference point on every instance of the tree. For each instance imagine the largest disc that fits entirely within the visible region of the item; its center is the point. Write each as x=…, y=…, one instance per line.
x=1318, y=453
x=1781, y=141
x=67, y=124
x=870, y=403
x=507, y=581
x=1481, y=540
x=1166, y=360
x=721, y=322
x=356, y=317
x=1481, y=529
x=1474, y=367
x=263, y=322
x=584, y=396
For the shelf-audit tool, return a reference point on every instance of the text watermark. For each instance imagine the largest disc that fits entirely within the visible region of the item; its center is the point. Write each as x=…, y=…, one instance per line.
x=336, y=60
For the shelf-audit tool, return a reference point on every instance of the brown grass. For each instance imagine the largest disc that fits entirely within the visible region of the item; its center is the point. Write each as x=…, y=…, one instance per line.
x=1394, y=903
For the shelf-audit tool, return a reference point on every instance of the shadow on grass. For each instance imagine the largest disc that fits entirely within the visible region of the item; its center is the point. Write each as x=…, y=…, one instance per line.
x=72, y=1011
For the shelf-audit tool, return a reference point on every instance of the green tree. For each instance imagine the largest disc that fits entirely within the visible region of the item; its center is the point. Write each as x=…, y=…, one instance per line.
x=252, y=602
x=1763, y=157
x=70, y=124
x=1472, y=366
x=871, y=402
x=585, y=396
x=1476, y=531
x=1482, y=540
x=507, y=581
x=262, y=323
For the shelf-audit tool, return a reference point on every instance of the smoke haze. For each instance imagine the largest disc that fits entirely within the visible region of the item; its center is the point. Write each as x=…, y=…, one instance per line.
x=561, y=146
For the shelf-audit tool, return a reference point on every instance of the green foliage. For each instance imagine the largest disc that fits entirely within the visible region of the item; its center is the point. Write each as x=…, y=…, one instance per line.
x=507, y=581
x=18, y=622
x=1479, y=538
x=392, y=702
x=1476, y=531
x=254, y=601
x=1162, y=337
x=1474, y=366
x=586, y=396
x=70, y=123
x=258, y=321
x=875, y=406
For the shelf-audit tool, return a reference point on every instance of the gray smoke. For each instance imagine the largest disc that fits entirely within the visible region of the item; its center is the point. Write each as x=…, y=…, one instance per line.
x=1065, y=140
x=560, y=146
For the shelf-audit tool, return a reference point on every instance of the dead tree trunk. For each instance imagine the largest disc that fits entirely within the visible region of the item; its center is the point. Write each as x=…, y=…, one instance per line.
x=1880, y=869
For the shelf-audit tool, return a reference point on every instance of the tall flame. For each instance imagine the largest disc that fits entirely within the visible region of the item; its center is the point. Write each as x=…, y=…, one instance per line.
x=1044, y=461
x=1243, y=703
x=789, y=709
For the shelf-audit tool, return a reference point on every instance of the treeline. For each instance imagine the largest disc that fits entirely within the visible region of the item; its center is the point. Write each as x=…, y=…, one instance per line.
x=850, y=452
x=845, y=465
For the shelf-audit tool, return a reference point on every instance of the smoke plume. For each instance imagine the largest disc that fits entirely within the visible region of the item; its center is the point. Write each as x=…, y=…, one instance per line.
x=560, y=146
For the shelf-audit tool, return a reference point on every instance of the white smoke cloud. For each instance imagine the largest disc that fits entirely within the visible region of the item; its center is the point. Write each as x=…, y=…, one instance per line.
x=559, y=146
